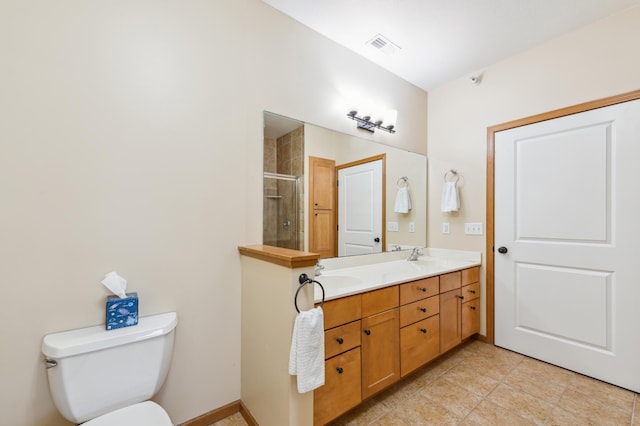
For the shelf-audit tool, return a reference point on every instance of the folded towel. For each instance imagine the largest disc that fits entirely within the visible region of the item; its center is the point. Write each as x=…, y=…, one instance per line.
x=450, y=198
x=306, y=359
x=403, y=201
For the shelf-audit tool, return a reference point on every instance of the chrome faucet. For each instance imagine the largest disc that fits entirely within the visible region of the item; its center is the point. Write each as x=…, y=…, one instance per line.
x=318, y=269
x=416, y=252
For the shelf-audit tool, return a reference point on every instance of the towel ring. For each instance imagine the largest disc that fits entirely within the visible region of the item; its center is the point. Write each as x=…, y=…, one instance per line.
x=403, y=182
x=304, y=279
x=454, y=174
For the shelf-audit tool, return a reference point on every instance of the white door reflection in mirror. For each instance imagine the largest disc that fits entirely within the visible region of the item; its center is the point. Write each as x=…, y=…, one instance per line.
x=360, y=207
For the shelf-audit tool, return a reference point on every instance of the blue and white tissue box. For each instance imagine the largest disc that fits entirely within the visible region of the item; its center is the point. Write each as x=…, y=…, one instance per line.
x=122, y=312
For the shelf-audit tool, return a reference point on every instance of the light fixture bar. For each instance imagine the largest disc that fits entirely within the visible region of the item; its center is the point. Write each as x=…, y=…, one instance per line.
x=366, y=123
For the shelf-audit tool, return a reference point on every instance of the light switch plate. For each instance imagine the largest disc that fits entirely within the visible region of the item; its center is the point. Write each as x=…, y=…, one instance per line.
x=473, y=228
x=392, y=226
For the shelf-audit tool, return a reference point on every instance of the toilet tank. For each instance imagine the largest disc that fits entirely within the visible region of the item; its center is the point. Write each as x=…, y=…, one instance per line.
x=98, y=371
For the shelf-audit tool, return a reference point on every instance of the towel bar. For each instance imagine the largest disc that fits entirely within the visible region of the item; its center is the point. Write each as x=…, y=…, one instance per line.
x=454, y=172
x=304, y=279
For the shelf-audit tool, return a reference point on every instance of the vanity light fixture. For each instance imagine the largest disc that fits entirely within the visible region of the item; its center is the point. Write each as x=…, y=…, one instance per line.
x=364, y=122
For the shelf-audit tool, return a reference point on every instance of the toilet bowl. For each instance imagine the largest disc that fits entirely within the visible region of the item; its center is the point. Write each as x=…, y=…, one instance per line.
x=99, y=377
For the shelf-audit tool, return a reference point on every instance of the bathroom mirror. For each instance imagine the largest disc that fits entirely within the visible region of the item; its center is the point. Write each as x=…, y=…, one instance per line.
x=289, y=145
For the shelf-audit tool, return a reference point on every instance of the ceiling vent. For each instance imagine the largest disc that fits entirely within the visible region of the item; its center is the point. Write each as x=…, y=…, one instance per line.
x=383, y=44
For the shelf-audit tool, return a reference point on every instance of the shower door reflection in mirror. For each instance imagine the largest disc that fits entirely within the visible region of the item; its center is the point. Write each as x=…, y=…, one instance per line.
x=281, y=212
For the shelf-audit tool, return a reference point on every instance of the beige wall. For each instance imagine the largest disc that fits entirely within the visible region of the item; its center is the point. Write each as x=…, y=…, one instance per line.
x=596, y=61
x=131, y=140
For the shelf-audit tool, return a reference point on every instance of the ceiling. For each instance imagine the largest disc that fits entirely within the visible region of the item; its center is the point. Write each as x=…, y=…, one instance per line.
x=442, y=40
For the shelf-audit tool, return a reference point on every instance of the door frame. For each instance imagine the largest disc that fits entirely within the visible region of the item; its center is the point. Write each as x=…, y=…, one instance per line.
x=491, y=131
x=382, y=157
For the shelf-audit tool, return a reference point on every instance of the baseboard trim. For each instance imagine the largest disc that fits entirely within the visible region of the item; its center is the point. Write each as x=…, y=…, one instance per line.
x=214, y=415
x=246, y=414
x=222, y=413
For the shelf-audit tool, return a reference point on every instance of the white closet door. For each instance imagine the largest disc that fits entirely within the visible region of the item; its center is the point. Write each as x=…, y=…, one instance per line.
x=567, y=210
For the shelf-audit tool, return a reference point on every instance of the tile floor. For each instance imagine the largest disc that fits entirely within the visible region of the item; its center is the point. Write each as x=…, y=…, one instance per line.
x=480, y=384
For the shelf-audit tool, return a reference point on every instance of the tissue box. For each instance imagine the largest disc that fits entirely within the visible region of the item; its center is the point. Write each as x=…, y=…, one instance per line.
x=122, y=312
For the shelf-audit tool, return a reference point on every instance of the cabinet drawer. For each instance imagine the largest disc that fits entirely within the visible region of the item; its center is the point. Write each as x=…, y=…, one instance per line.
x=470, y=275
x=470, y=318
x=450, y=281
x=419, y=310
x=471, y=292
x=341, y=390
x=420, y=289
x=381, y=300
x=341, y=339
x=419, y=344
x=341, y=311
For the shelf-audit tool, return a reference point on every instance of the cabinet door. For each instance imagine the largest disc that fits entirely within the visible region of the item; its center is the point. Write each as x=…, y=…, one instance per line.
x=341, y=390
x=470, y=318
x=322, y=181
x=323, y=225
x=419, y=343
x=380, y=351
x=450, y=320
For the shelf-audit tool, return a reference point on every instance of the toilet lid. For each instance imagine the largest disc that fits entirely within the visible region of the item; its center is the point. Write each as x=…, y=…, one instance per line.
x=146, y=413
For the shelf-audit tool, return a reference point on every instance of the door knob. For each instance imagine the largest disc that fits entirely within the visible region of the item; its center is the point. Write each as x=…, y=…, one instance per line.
x=376, y=239
x=502, y=250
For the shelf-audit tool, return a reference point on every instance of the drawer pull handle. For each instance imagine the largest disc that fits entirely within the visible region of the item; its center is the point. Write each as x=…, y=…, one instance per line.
x=423, y=309
x=339, y=370
x=472, y=291
x=367, y=332
x=460, y=297
x=422, y=289
x=472, y=308
x=340, y=340
x=424, y=330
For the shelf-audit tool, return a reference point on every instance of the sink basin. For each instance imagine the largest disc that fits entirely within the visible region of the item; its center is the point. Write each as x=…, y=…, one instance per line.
x=338, y=280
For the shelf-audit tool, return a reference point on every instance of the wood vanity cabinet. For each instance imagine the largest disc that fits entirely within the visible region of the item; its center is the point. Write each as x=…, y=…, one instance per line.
x=419, y=322
x=343, y=378
x=470, y=302
x=459, y=306
x=380, y=340
x=450, y=310
x=374, y=338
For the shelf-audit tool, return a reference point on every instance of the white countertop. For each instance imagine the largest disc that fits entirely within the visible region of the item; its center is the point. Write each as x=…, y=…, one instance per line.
x=346, y=281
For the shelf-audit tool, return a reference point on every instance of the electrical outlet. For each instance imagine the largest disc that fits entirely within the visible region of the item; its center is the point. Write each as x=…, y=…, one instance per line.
x=445, y=227
x=473, y=228
x=412, y=227
x=392, y=226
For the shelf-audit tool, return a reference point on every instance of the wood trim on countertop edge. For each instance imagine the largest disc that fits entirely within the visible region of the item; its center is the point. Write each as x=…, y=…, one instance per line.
x=222, y=413
x=280, y=256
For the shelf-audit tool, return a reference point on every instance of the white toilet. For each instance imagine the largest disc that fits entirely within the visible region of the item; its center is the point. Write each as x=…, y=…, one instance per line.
x=106, y=377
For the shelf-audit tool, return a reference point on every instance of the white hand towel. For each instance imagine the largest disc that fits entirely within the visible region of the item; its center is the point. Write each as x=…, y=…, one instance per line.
x=306, y=358
x=450, y=197
x=403, y=201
